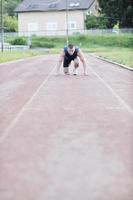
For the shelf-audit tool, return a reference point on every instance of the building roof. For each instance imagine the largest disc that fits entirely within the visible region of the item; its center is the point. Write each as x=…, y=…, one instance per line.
x=53, y=5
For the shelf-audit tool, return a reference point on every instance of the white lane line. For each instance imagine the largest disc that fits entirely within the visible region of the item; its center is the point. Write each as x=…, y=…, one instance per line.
x=33, y=108
x=113, y=62
x=126, y=106
x=20, y=113
x=20, y=60
x=114, y=108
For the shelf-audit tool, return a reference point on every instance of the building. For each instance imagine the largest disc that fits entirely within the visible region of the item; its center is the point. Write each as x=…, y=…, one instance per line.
x=53, y=17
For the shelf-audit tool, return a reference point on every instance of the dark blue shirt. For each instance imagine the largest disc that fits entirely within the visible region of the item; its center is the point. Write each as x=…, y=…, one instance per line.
x=71, y=57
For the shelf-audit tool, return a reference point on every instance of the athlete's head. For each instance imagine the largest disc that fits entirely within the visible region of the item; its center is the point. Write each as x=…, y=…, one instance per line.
x=71, y=49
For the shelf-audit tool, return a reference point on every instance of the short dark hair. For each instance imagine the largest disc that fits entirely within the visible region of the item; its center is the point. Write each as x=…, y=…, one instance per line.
x=70, y=46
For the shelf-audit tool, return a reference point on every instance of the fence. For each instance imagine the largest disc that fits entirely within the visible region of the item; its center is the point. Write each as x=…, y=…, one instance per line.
x=57, y=33
x=70, y=32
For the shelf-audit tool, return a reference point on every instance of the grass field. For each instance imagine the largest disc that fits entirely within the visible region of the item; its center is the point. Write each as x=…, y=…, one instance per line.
x=14, y=55
x=117, y=48
x=120, y=55
x=85, y=41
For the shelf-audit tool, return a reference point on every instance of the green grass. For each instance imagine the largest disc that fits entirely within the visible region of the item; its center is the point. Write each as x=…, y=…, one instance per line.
x=14, y=55
x=85, y=41
x=118, y=48
x=120, y=55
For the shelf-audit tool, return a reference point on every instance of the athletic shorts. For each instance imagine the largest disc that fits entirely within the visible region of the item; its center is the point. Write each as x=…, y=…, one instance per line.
x=67, y=61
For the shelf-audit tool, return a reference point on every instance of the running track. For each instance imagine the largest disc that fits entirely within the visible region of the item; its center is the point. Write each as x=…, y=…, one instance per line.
x=65, y=137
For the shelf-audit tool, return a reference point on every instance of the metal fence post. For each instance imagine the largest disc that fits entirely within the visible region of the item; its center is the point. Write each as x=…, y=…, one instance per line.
x=2, y=27
x=67, y=22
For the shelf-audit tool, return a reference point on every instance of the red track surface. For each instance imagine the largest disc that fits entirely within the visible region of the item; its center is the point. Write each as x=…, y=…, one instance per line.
x=65, y=137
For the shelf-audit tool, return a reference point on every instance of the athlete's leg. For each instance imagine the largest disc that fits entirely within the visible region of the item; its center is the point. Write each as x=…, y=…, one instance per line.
x=66, y=70
x=76, y=65
x=66, y=64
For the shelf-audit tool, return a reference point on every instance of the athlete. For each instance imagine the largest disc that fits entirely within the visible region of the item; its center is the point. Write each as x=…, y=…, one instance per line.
x=69, y=54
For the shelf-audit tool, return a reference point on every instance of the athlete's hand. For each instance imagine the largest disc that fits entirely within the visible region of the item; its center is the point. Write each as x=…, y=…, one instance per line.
x=85, y=73
x=57, y=72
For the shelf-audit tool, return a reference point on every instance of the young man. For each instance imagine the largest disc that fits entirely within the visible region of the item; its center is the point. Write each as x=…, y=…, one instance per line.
x=71, y=53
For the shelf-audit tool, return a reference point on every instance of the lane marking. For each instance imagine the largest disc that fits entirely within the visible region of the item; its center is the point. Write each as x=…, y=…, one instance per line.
x=114, y=108
x=33, y=108
x=127, y=107
x=113, y=62
x=20, y=60
x=24, y=108
x=23, y=59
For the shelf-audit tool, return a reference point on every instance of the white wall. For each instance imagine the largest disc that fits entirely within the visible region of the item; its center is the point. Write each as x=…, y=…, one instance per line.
x=47, y=23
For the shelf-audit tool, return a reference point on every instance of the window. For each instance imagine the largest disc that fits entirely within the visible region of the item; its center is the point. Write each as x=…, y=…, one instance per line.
x=51, y=26
x=71, y=25
x=32, y=26
x=52, y=5
x=74, y=4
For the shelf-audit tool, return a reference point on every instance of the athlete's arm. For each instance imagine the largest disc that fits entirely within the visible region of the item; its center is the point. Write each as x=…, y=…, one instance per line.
x=81, y=57
x=61, y=58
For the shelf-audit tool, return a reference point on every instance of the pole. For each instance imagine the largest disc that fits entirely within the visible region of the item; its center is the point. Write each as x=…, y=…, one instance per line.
x=2, y=28
x=67, y=22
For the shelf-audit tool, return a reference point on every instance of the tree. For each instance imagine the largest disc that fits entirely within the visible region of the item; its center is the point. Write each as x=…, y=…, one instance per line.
x=117, y=11
x=9, y=18
x=9, y=6
x=126, y=13
x=10, y=24
x=99, y=22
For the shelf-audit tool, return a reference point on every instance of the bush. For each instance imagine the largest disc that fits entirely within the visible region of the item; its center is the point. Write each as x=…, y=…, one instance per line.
x=18, y=41
x=103, y=40
x=83, y=41
x=96, y=22
x=10, y=24
x=47, y=42
x=42, y=44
